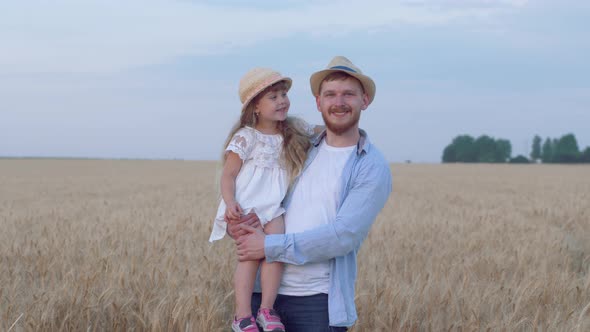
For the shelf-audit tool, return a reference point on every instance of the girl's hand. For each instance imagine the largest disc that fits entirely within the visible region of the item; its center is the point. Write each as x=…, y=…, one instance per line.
x=233, y=210
x=235, y=230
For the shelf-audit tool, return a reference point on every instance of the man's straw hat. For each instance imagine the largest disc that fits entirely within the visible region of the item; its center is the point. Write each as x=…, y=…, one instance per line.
x=256, y=80
x=340, y=63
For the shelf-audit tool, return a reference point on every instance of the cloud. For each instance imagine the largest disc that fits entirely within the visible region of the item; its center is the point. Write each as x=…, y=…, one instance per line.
x=109, y=36
x=467, y=4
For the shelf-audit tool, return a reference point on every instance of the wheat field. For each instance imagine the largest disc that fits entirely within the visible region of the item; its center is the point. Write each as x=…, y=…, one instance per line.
x=102, y=245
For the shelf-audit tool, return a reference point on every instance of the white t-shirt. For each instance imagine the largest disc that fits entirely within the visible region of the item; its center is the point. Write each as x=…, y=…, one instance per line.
x=314, y=202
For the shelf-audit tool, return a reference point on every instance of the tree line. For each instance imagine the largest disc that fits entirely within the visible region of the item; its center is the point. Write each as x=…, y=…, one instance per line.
x=486, y=149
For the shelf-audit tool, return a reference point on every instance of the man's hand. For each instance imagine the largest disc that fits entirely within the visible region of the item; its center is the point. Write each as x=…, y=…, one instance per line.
x=251, y=245
x=233, y=225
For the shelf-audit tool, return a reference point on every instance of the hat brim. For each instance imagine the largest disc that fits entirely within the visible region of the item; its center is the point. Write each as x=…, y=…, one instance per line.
x=367, y=83
x=288, y=80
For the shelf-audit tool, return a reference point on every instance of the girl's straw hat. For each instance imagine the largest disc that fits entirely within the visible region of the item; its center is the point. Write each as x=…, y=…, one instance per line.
x=256, y=80
x=340, y=63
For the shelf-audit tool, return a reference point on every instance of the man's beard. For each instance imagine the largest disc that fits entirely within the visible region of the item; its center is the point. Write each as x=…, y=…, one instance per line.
x=341, y=128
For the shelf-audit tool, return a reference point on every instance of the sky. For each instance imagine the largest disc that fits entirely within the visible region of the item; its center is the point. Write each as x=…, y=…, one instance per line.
x=159, y=79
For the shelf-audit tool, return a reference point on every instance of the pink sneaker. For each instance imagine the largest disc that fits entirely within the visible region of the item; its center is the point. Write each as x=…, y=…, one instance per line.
x=247, y=324
x=269, y=320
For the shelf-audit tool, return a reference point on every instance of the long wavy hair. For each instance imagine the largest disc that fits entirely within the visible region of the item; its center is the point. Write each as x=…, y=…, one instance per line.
x=296, y=141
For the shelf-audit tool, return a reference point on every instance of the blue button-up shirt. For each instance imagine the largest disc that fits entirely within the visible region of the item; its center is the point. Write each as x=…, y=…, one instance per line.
x=366, y=185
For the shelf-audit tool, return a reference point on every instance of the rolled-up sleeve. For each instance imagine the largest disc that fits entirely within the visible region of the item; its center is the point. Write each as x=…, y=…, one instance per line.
x=368, y=194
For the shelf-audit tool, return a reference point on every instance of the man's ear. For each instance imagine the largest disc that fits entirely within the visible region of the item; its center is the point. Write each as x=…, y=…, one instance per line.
x=365, y=101
x=317, y=102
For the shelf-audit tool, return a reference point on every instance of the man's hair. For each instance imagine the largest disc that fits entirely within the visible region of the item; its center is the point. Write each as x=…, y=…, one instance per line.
x=339, y=76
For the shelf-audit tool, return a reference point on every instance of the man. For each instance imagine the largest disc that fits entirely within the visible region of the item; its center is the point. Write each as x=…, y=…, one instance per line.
x=329, y=211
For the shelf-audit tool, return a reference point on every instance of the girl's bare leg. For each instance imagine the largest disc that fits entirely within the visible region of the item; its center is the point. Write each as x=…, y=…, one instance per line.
x=271, y=273
x=244, y=278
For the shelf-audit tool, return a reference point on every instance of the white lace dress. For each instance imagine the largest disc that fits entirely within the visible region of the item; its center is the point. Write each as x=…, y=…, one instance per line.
x=262, y=181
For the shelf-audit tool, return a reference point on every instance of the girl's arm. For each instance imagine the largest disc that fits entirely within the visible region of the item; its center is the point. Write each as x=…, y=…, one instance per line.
x=231, y=168
x=308, y=128
x=318, y=129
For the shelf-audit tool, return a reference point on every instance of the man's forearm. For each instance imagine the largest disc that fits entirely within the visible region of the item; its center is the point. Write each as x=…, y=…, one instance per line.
x=355, y=218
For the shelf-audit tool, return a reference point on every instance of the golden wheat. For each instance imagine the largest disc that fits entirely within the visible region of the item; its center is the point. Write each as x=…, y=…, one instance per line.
x=98, y=245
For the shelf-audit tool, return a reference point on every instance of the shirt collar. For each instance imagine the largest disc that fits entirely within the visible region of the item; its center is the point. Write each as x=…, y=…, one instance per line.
x=362, y=145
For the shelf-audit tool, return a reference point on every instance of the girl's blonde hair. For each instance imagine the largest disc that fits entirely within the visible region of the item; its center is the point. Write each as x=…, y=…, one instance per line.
x=296, y=141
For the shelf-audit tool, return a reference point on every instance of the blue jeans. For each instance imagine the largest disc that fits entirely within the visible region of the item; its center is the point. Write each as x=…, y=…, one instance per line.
x=301, y=313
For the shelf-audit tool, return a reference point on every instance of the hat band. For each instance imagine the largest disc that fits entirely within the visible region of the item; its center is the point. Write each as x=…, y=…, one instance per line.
x=344, y=67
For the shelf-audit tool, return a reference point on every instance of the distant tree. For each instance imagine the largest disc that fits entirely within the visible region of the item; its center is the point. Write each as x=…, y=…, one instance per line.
x=449, y=154
x=503, y=150
x=585, y=157
x=520, y=159
x=485, y=149
x=465, y=149
x=461, y=149
x=566, y=150
x=554, y=143
x=536, y=148
x=547, y=151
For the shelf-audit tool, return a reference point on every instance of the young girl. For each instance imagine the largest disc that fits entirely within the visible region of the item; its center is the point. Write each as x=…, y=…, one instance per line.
x=263, y=153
